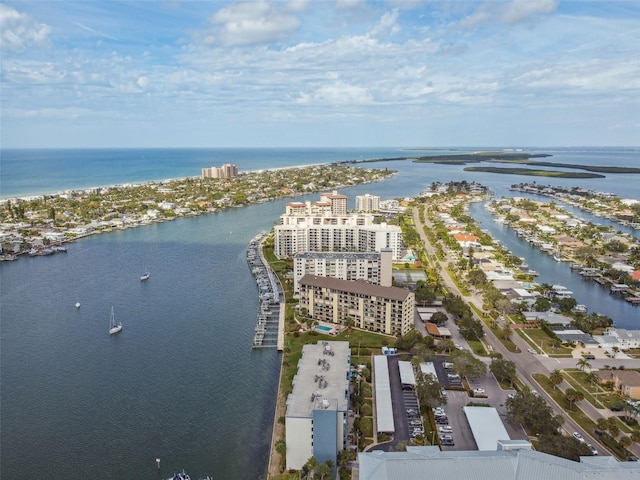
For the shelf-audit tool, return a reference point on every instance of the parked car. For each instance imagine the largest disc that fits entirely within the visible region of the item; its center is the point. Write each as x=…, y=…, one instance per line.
x=511, y=395
x=445, y=429
x=598, y=432
x=593, y=449
x=531, y=350
x=616, y=408
x=478, y=391
x=578, y=437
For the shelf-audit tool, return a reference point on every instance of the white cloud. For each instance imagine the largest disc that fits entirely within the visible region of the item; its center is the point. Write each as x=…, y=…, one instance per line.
x=143, y=82
x=19, y=31
x=338, y=93
x=388, y=23
x=349, y=4
x=249, y=23
x=509, y=13
x=521, y=9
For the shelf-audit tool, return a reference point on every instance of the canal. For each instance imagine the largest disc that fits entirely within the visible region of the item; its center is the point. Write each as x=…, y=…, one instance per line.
x=587, y=292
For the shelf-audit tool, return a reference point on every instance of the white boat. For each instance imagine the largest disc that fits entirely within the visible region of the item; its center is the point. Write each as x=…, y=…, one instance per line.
x=145, y=276
x=113, y=326
x=180, y=476
x=77, y=304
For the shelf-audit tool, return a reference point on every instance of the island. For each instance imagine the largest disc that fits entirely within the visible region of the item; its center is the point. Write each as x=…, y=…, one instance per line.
x=40, y=224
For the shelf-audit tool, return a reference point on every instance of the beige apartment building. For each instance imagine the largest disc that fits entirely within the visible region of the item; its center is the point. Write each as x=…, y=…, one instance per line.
x=228, y=170
x=388, y=310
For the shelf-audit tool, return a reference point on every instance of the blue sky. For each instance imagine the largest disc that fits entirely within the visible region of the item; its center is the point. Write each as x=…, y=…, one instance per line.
x=319, y=73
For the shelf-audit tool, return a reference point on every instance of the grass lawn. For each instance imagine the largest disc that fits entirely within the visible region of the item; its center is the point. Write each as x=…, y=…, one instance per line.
x=543, y=340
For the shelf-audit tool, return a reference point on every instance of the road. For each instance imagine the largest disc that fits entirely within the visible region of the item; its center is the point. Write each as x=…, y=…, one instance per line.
x=527, y=364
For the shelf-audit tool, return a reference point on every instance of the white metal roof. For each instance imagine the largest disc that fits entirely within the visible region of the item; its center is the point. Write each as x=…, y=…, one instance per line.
x=428, y=367
x=407, y=377
x=428, y=463
x=384, y=408
x=486, y=426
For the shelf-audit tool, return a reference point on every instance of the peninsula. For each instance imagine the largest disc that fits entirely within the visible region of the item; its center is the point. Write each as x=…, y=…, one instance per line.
x=36, y=224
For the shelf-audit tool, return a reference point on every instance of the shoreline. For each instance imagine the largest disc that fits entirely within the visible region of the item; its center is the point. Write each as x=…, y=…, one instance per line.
x=34, y=225
x=35, y=196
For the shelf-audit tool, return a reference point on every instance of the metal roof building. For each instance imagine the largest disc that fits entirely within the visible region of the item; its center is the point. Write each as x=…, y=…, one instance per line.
x=384, y=408
x=429, y=463
x=486, y=427
x=407, y=377
x=428, y=368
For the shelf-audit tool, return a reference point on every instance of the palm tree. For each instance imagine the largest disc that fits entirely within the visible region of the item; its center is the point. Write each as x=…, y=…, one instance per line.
x=612, y=426
x=311, y=465
x=602, y=423
x=556, y=378
x=592, y=378
x=505, y=332
x=583, y=363
x=625, y=442
x=572, y=396
x=324, y=471
x=635, y=436
x=281, y=448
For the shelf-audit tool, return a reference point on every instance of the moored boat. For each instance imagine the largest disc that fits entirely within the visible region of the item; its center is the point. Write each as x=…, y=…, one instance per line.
x=113, y=326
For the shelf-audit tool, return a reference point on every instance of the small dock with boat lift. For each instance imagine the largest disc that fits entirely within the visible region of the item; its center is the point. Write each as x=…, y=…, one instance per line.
x=269, y=330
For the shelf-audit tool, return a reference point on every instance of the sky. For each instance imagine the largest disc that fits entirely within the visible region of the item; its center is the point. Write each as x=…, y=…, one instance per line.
x=315, y=73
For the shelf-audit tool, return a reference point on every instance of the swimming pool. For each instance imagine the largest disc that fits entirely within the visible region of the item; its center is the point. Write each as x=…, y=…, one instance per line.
x=322, y=328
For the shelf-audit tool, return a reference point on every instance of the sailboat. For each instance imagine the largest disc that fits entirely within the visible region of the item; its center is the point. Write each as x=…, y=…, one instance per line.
x=113, y=327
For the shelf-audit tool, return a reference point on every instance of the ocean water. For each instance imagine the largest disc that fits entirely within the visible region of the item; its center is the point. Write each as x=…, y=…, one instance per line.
x=181, y=382
x=30, y=172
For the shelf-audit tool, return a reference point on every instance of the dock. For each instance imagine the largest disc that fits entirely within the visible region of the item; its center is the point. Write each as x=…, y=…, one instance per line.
x=269, y=329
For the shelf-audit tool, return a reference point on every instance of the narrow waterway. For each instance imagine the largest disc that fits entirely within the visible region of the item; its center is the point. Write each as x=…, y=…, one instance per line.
x=587, y=292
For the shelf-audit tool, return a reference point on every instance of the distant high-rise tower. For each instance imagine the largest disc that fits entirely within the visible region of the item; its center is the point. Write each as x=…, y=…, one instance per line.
x=338, y=202
x=367, y=203
x=228, y=170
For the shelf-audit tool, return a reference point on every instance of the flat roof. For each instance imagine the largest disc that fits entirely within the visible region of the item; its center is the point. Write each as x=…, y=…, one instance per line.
x=323, y=373
x=356, y=286
x=384, y=408
x=428, y=463
x=407, y=377
x=428, y=367
x=486, y=427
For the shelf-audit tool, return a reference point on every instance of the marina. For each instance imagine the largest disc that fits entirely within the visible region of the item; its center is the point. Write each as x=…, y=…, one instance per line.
x=269, y=330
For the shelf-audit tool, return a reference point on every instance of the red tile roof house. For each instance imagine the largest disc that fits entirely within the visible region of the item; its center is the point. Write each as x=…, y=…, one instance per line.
x=467, y=240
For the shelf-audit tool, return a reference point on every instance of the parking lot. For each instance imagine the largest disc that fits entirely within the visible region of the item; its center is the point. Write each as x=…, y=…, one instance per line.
x=451, y=423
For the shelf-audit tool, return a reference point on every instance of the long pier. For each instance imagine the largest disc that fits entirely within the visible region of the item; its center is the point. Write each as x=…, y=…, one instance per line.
x=269, y=330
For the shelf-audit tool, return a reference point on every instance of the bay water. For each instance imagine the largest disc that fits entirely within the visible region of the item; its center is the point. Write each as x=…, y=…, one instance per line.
x=180, y=382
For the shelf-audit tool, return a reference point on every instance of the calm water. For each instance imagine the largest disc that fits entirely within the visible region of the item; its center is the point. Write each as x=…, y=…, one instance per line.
x=180, y=382
x=587, y=292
